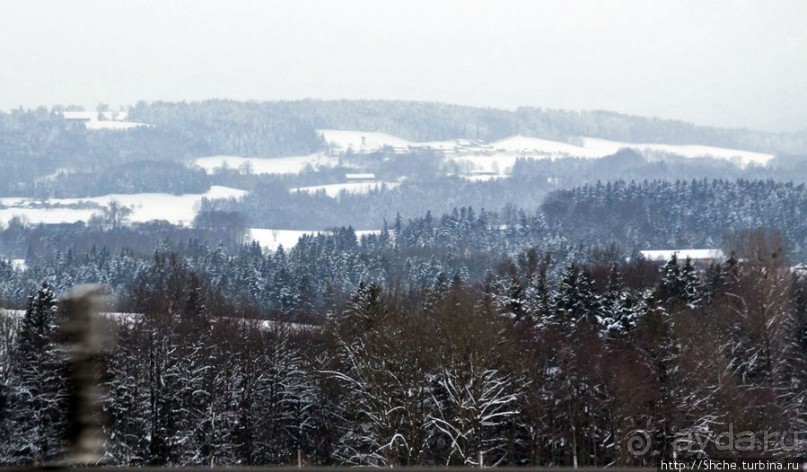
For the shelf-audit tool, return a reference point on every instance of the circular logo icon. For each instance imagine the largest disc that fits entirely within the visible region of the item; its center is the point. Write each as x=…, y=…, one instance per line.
x=638, y=442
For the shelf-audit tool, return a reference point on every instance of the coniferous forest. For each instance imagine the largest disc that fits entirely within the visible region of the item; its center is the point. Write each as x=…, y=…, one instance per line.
x=513, y=320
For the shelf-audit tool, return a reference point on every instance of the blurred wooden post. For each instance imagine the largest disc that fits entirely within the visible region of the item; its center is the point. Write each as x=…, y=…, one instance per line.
x=88, y=336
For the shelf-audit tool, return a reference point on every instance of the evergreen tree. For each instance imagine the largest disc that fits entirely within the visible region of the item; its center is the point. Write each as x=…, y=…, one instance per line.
x=37, y=401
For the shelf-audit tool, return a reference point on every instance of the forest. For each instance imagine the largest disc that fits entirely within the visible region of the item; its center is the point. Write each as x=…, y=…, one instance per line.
x=510, y=320
x=518, y=335
x=522, y=368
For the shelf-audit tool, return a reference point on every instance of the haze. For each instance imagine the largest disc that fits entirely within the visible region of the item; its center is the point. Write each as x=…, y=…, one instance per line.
x=729, y=63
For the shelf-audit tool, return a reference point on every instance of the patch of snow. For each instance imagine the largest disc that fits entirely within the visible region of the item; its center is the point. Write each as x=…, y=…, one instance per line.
x=267, y=165
x=333, y=190
x=739, y=157
x=507, y=150
x=531, y=148
x=271, y=239
x=113, y=120
x=93, y=115
x=453, y=145
x=366, y=232
x=535, y=146
x=271, y=325
x=663, y=255
x=113, y=125
x=46, y=216
x=500, y=163
x=484, y=177
x=19, y=264
x=360, y=176
x=53, y=176
x=178, y=209
x=361, y=141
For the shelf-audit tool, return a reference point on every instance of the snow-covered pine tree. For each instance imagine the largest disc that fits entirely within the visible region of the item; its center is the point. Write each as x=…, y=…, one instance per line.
x=37, y=401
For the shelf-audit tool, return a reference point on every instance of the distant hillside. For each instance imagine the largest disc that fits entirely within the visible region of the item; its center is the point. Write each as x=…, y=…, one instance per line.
x=424, y=121
x=36, y=143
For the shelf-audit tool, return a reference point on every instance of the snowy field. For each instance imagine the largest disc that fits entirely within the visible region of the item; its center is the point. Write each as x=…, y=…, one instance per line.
x=453, y=145
x=267, y=165
x=110, y=121
x=483, y=177
x=741, y=158
x=333, y=190
x=505, y=152
x=361, y=141
x=595, y=148
x=545, y=148
x=178, y=209
x=498, y=157
x=46, y=215
x=113, y=125
x=663, y=255
x=369, y=141
x=271, y=239
x=495, y=159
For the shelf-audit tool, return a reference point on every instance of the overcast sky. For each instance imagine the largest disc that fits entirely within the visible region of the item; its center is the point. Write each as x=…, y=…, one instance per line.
x=727, y=63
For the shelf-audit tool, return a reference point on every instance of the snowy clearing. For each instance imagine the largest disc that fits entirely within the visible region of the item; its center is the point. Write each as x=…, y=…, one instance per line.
x=663, y=255
x=483, y=177
x=111, y=120
x=594, y=148
x=530, y=146
x=453, y=145
x=178, y=209
x=739, y=157
x=505, y=150
x=267, y=165
x=271, y=239
x=333, y=190
x=113, y=125
x=486, y=166
x=508, y=150
x=46, y=216
x=361, y=141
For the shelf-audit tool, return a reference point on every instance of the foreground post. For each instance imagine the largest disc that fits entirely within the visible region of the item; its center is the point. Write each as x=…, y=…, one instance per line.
x=88, y=336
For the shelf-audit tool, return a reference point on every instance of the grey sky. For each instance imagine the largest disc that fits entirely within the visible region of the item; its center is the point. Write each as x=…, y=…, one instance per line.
x=726, y=63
